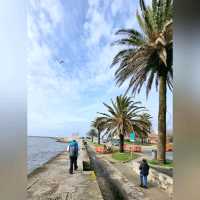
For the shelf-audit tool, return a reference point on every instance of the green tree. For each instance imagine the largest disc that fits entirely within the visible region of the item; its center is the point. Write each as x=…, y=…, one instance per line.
x=147, y=58
x=146, y=117
x=123, y=116
x=92, y=133
x=98, y=125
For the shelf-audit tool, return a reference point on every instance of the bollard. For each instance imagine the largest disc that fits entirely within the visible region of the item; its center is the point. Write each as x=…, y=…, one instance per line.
x=154, y=154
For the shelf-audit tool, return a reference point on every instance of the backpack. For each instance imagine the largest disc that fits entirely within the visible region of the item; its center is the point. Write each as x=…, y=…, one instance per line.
x=144, y=169
x=73, y=149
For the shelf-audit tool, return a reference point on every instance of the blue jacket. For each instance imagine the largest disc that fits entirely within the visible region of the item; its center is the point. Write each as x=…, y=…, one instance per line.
x=73, y=149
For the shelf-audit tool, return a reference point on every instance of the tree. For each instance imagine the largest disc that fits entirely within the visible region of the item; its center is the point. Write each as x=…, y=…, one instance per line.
x=92, y=133
x=123, y=116
x=147, y=58
x=146, y=117
x=98, y=125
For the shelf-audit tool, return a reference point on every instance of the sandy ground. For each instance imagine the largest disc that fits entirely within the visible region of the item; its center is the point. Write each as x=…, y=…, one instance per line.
x=53, y=182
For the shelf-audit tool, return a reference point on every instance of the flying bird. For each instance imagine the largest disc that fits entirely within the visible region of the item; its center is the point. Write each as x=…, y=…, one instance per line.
x=61, y=62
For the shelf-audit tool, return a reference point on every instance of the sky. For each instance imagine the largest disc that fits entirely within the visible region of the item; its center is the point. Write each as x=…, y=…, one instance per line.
x=63, y=98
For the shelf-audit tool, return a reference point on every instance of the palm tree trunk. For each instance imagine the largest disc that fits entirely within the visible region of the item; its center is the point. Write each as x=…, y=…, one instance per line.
x=92, y=138
x=98, y=137
x=121, y=137
x=162, y=120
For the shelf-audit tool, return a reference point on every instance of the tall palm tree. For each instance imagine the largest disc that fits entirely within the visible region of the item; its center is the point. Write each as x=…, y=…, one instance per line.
x=98, y=125
x=123, y=116
x=147, y=58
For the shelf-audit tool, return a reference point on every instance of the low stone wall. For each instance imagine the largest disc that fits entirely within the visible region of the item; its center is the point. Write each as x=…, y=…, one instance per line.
x=162, y=180
x=126, y=189
x=118, y=183
x=86, y=166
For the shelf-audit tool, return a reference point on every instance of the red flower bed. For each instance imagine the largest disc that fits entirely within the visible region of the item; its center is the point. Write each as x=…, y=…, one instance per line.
x=132, y=148
x=100, y=150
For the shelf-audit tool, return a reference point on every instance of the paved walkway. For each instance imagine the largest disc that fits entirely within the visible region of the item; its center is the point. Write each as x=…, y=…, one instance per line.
x=53, y=181
x=152, y=193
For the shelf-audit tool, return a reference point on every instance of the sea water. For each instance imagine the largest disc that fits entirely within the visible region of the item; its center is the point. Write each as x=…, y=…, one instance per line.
x=40, y=150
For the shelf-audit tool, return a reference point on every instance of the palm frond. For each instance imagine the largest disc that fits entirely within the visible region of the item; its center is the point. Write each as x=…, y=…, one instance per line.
x=146, y=53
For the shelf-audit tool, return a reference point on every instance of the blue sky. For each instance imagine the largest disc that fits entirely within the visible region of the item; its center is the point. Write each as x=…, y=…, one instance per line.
x=65, y=98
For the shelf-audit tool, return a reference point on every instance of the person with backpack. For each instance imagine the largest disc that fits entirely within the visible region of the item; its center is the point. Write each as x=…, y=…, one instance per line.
x=144, y=172
x=73, y=154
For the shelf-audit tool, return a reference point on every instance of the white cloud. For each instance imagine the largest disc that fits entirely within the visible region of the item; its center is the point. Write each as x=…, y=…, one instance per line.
x=96, y=25
x=100, y=27
x=33, y=33
x=45, y=24
x=148, y=2
x=54, y=9
x=49, y=91
x=122, y=7
x=116, y=6
x=66, y=97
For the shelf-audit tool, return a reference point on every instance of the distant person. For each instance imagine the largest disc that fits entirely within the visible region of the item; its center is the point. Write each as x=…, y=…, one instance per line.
x=144, y=172
x=73, y=154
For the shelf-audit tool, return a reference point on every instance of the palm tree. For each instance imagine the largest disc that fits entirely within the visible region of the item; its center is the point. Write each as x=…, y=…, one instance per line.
x=98, y=125
x=146, y=117
x=147, y=58
x=92, y=133
x=123, y=116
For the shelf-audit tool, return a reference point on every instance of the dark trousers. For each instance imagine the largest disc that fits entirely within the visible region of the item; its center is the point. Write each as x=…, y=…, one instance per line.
x=73, y=163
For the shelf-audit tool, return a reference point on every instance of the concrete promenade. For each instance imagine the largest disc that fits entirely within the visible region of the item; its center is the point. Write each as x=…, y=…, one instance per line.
x=126, y=180
x=52, y=181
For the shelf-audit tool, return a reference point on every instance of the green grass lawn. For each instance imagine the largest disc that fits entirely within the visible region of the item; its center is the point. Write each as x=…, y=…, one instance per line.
x=145, y=144
x=98, y=145
x=126, y=156
x=136, y=142
x=168, y=164
x=128, y=142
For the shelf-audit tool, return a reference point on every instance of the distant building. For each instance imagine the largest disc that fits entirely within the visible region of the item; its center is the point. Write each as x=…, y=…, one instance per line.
x=153, y=138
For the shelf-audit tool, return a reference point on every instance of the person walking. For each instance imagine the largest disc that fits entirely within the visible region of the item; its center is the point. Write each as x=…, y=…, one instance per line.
x=144, y=172
x=73, y=155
